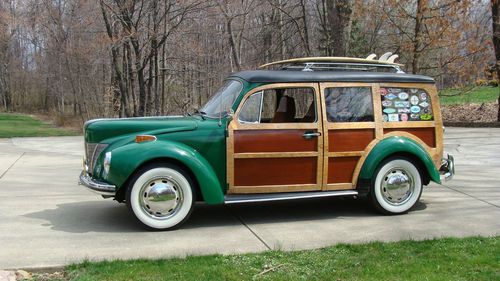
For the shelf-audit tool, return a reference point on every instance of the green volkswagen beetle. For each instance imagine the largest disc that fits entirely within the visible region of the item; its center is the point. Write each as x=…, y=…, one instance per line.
x=313, y=127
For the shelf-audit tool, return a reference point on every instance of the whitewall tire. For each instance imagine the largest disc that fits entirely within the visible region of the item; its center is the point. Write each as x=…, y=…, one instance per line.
x=161, y=197
x=397, y=186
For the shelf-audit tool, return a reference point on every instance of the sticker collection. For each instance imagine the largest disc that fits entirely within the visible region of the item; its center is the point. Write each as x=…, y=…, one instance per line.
x=405, y=105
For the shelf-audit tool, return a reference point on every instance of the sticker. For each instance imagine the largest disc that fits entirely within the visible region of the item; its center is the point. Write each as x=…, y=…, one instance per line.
x=425, y=117
x=404, y=110
x=424, y=104
x=414, y=116
x=390, y=96
x=393, y=117
x=404, y=117
x=413, y=91
x=402, y=104
x=414, y=100
x=384, y=117
x=394, y=90
x=423, y=96
x=426, y=110
x=383, y=91
x=387, y=103
x=403, y=96
x=415, y=109
x=390, y=110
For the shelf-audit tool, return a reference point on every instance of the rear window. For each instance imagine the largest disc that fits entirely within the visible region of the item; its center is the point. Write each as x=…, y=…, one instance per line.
x=405, y=104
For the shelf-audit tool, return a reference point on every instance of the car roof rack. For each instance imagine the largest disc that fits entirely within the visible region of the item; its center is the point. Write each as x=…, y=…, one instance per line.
x=370, y=64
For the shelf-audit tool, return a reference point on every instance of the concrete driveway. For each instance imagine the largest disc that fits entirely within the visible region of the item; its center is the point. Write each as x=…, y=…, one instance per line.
x=46, y=219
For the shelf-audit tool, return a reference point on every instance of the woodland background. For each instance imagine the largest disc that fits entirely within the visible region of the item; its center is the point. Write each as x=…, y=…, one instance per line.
x=110, y=58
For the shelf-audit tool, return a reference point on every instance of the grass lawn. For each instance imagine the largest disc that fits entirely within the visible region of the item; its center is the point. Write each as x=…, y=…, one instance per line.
x=477, y=94
x=440, y=259
x=17, y=125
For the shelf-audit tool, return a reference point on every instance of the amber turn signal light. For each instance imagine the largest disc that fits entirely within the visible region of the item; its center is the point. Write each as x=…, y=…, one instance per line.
x=143, y=138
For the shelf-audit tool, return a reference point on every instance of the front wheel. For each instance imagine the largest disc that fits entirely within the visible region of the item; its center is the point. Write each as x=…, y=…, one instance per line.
x=397, y=186
x=161, y=197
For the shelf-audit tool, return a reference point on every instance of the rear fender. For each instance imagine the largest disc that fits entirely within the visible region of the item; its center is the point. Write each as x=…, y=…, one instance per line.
x=394, y=145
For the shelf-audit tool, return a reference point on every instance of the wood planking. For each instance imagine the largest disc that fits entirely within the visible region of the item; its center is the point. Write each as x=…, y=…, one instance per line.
x=427, y=135
x=276, y=151
x=273, y=141
x=345, y=140
x=341, y=169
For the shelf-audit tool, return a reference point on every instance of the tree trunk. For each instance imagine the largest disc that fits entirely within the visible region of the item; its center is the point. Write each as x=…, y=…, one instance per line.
x=495, y=11
x=338, y=17
x=417, y=40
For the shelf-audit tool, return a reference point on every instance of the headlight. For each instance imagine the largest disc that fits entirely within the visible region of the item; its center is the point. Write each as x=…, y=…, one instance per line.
x=107, y=162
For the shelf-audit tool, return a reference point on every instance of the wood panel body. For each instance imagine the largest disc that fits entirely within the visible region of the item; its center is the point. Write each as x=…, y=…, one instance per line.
x=274, y=157
x=275, y=171
x=343, y=140
x=273, y=151
x=273, y=141
x=427, y=135
x=341, y=169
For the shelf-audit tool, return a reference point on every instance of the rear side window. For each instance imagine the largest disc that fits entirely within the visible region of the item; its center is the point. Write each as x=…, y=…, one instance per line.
x=405, y=104
x=349, y=104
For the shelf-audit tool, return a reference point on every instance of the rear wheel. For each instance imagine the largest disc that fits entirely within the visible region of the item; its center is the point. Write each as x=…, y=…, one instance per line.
x=161, y=196
x=397, y=186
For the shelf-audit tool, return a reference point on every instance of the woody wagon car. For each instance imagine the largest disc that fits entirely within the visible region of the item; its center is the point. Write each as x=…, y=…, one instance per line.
x=306, y=128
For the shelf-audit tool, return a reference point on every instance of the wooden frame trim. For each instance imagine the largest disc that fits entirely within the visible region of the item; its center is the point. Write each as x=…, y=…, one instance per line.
x=338, y=186
x=327, y=125
x=260, y=126
x=345, y=154
x=236, y=125
x=409, y=124
x=274, y=154
x=436, y=110
x=273, y=188
x=353, y=125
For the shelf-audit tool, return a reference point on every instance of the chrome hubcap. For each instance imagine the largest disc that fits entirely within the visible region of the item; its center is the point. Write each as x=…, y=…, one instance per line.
x=161, y=198
x=397, y=186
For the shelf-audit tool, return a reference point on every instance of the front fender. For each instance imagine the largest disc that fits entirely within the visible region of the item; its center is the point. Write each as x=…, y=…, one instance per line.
x=126, y=159
x=393, y=145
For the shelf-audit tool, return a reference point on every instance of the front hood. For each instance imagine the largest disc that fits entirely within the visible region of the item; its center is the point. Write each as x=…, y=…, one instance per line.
x=101, y=129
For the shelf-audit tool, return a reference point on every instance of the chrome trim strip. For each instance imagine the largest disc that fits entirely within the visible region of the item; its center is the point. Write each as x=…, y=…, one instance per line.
x=247, y=198
x=128, y=118
x=97, y=186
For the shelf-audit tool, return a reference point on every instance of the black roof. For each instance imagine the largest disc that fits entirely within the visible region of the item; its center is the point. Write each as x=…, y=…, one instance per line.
x=278, y=76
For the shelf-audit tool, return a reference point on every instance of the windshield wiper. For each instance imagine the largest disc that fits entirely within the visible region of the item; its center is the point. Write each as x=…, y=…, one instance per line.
x=201, y=113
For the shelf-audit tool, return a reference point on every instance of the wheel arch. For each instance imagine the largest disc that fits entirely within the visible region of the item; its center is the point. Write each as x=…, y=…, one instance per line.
x=404, y=147
x=134, y=156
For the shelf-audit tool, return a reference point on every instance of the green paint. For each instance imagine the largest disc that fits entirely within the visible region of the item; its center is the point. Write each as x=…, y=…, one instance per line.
x=393, y=145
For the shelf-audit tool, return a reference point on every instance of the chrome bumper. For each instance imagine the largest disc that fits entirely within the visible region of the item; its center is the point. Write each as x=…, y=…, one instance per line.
x=447, y=169
x=97, y=186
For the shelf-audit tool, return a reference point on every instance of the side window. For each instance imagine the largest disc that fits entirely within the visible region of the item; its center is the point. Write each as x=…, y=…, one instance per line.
x=289, y=105
x=405, y=104
x=349, y=104
x=250, y=113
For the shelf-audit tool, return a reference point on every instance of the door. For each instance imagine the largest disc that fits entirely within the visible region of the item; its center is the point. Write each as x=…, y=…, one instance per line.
x=350, y=128
x=275, y=140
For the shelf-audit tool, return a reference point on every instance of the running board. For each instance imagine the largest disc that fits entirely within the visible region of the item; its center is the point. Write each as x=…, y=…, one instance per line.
x=263, y=197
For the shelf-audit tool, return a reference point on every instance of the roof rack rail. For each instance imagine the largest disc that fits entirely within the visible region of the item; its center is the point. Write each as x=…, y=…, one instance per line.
x=384, y=63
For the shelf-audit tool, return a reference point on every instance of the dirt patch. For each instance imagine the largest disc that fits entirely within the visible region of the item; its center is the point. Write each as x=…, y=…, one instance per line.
x=470, y=113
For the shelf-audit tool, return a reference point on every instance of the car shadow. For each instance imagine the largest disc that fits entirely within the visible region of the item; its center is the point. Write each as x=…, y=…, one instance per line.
x=110, y=216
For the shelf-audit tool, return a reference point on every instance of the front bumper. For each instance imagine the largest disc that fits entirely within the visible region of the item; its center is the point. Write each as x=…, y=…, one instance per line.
x=104, y=189
x=447, y=169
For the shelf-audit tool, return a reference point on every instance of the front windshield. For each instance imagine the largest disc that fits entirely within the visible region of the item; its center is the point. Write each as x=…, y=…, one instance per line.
x=222, y=101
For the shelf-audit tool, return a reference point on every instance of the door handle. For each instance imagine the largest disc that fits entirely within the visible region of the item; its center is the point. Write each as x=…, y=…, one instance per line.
x=310, y=135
